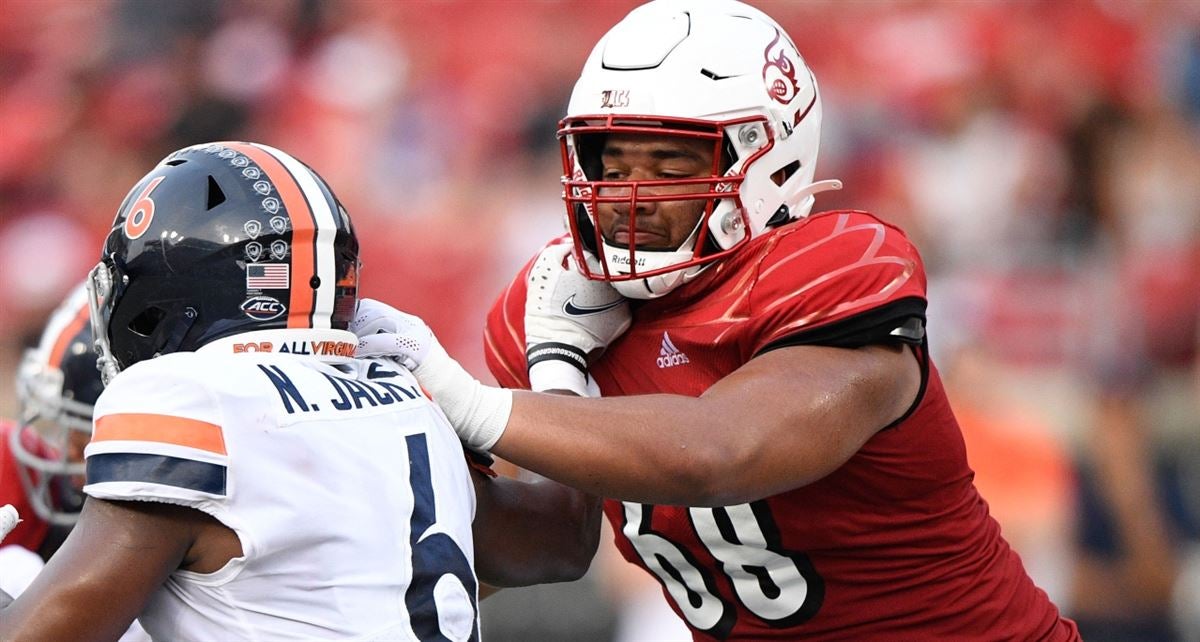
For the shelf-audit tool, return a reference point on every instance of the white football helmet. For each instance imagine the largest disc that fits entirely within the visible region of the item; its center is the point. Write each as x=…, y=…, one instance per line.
x=712, y=69
x=57, y=386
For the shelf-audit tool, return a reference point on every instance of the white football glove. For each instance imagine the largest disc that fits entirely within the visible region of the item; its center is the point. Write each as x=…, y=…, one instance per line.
x=8, y=520
x=478, y=413
x=567, y=317
x=384, y=331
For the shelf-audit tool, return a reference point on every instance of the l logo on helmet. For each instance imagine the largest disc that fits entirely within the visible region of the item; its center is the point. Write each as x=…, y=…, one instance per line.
x=611, y=98
x=263, y=308
x=779, y=73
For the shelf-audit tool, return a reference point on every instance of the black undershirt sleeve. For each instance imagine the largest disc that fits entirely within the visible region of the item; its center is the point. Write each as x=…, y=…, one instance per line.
x=901, y=321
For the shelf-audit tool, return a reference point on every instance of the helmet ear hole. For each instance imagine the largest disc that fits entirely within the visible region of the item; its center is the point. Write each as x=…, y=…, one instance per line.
x=147, y=321
x=782, y=174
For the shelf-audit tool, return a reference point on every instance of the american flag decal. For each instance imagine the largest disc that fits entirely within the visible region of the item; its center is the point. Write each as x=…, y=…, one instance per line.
x=267, y=276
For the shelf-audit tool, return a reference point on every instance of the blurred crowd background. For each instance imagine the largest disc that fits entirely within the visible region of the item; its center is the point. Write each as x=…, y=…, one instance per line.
x=1044, y=156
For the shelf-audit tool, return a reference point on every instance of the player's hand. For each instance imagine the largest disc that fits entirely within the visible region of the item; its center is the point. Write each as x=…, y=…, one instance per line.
x=567, y=318
x=384, y=331
x=478, y=413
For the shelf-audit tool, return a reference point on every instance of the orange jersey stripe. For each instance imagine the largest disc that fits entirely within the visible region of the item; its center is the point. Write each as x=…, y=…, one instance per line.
x=68, y=333
x=304, y=232
x=165, y=429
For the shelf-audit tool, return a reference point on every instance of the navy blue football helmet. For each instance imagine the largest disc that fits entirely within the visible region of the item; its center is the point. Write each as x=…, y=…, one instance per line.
x=220, y=239
x=57, y=386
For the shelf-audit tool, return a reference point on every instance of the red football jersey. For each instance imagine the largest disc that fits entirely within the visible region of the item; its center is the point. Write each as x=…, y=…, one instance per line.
x=896, y=544
x=31, y=531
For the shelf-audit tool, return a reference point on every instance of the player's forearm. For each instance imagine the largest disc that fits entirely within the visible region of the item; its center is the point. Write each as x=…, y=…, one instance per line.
x=784, y=420
x=662, y=449
x=35, y=618
x=534, y=532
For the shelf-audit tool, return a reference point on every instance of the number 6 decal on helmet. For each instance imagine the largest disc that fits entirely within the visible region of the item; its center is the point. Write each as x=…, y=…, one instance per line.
x=142, y=213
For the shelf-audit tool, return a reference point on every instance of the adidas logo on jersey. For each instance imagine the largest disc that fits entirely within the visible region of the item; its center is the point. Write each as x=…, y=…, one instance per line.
x=669, y=355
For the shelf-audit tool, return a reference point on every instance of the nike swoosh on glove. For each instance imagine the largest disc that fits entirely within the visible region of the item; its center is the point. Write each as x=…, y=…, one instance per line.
x=567, y=317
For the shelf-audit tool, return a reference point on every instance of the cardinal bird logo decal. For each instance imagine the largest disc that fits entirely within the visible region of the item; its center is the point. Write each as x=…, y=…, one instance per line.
x=779, y=73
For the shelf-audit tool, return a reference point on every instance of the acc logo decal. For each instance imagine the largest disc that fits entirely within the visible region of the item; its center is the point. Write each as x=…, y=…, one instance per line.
x=779, y=73
x=263, y=308
x=142, y=213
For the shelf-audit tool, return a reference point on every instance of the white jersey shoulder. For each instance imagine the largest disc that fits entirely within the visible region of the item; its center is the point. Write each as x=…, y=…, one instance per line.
x=346, y=486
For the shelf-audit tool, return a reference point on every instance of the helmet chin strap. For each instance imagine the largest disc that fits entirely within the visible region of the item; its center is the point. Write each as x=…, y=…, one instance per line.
x=653, y=287
x=168, y=339
x=659, y=285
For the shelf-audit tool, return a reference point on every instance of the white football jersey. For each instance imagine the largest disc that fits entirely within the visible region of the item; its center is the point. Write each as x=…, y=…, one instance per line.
x=347, y=487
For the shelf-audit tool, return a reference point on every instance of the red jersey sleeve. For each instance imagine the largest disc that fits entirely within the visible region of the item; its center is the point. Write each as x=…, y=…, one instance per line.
x=31, y=531
x=841, y=278
x=504, y=335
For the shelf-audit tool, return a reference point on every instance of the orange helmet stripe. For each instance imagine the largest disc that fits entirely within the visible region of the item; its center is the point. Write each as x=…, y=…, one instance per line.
x=68, y=333
x=304, y=232
x=166, y=429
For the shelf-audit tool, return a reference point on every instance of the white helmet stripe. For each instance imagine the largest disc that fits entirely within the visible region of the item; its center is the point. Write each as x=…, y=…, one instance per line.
x=326, y=231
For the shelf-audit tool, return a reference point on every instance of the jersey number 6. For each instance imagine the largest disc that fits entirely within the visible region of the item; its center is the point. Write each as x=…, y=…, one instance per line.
x=434, y=555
